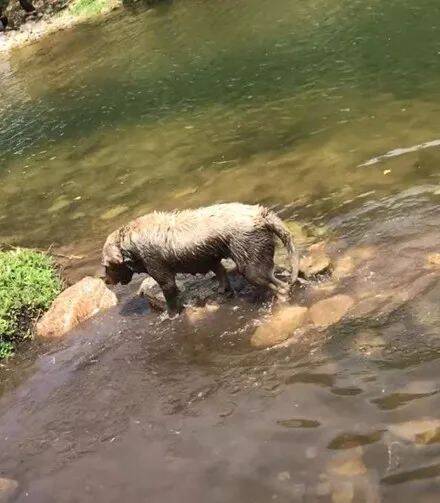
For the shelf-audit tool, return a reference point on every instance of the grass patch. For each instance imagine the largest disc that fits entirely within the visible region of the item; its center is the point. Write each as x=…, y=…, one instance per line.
x=90, y=7
x=29, y=282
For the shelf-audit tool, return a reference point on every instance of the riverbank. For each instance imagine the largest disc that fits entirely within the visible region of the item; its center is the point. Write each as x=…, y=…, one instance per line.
x=41, y=25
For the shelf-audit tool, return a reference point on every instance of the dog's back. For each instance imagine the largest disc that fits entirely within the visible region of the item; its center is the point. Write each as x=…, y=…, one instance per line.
x=189, y=231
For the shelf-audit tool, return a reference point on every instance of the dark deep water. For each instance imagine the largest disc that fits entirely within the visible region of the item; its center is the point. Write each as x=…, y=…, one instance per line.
x=327, y=110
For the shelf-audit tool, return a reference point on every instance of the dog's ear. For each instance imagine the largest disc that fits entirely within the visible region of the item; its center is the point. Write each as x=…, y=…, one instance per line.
x=112, y=255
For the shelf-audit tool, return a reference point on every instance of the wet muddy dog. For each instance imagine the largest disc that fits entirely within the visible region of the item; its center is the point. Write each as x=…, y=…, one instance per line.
x=195, y=241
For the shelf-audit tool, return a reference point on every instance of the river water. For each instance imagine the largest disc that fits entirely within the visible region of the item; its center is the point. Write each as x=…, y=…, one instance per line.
x=327, y=110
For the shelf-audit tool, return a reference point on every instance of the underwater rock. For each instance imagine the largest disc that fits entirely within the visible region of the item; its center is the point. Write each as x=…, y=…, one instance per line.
x=279, y=326
x=418, y=431
x=353, y=257
x=74, y=305
x=315, y=262
x=329, y=311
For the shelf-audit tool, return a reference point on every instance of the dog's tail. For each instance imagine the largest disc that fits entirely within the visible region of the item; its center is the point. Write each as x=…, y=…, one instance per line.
x=275, y=225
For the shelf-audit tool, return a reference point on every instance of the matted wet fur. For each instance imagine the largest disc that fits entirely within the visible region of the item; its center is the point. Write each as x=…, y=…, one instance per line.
x=195, y=241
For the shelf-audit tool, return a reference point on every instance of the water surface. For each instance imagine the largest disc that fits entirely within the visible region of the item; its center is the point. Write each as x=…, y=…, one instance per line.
x=326, y=110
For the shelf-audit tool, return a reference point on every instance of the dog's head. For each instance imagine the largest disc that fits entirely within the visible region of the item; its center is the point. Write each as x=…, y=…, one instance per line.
x=116, y=271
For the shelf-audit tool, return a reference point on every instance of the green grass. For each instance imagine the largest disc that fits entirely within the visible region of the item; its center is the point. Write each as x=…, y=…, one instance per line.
x=89, y=7
x=28, y=284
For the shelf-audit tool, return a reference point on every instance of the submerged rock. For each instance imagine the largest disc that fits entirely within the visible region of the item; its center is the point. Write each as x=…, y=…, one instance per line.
x=279, y=327
x=7, y=488
x=347, y=464
x=329, y=311
x=315, y=262
x=352, y=258
x=76, y=304
x=419, y=431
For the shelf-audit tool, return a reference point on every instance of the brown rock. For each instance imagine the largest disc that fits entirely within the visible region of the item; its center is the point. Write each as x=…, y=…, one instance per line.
x=329, y=311
x=347, y=464
x=421, y=431
x=353, y=257
x=344, y=266
x=7, y=488
x=153, y=293
x=315, y=262
x=279, y=327
x=76, y=304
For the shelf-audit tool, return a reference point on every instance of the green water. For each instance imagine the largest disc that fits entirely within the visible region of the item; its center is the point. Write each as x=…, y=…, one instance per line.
x=198, y=102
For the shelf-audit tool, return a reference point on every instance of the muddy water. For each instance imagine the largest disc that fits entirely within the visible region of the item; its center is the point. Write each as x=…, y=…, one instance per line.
x=326, y=110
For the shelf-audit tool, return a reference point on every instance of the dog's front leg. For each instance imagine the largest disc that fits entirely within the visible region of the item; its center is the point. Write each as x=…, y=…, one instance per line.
x=171, y=293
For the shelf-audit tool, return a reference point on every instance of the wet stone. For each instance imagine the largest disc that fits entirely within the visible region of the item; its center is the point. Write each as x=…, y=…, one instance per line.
x=75, y=305
x=329, y=311
x=279, y=327
x=315, y=262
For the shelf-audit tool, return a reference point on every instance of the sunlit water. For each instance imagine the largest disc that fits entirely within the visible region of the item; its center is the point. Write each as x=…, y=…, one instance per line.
x=327, y=110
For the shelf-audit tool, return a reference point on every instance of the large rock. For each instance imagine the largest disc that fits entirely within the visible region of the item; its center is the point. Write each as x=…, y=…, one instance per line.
x=279, y=327
x=74, y=305
x=315, y=262
x=329, y=311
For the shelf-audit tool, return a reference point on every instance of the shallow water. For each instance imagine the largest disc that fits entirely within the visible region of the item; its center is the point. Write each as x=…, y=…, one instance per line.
x=326, y=110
